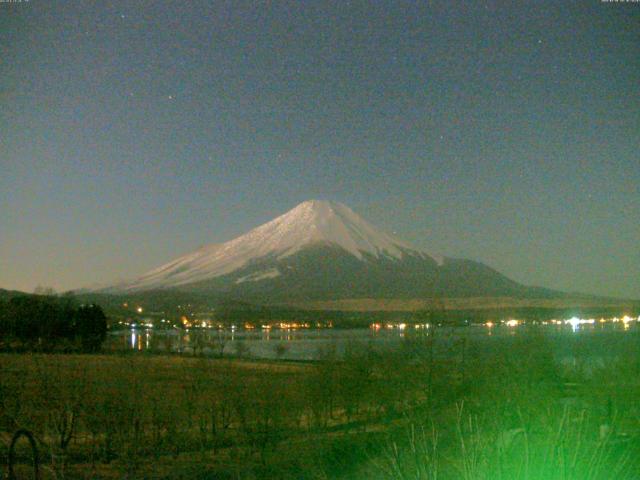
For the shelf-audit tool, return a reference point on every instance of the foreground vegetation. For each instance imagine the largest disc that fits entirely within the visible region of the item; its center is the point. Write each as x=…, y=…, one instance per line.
x=511, y=411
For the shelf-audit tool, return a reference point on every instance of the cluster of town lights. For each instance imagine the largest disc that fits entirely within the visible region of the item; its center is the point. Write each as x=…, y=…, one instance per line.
x=575, y=322
x=398, y=326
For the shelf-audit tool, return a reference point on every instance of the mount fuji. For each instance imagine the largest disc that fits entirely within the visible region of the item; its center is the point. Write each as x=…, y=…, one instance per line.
x=322, y=250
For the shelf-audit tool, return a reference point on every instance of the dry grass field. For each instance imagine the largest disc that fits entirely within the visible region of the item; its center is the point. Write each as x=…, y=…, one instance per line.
x=510, y=412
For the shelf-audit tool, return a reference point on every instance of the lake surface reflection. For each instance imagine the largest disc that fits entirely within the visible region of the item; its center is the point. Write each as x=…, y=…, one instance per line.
x=593, y=340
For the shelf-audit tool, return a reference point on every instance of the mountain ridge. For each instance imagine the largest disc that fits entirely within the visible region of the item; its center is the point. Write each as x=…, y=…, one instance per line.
x=322, y=250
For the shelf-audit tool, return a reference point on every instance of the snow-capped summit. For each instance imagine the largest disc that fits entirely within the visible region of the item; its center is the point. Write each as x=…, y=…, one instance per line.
x=321, y=250
x=323, y=221
x=314, y=222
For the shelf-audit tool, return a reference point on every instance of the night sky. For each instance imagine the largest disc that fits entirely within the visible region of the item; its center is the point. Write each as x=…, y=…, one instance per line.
x=505, y=132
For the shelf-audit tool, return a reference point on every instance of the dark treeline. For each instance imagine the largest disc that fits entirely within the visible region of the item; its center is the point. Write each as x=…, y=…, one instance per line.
x=173, y=305
x=229, y=312
x=48, y=323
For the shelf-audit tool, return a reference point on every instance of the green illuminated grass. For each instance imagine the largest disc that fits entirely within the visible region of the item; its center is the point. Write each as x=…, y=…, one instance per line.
x=504, y=410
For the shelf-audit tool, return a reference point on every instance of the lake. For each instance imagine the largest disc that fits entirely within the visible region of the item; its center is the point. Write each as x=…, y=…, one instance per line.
x=569, y=340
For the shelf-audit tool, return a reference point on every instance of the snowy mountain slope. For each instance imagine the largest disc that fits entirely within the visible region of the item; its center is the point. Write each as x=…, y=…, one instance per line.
x=313, y=222
x=321, y=251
